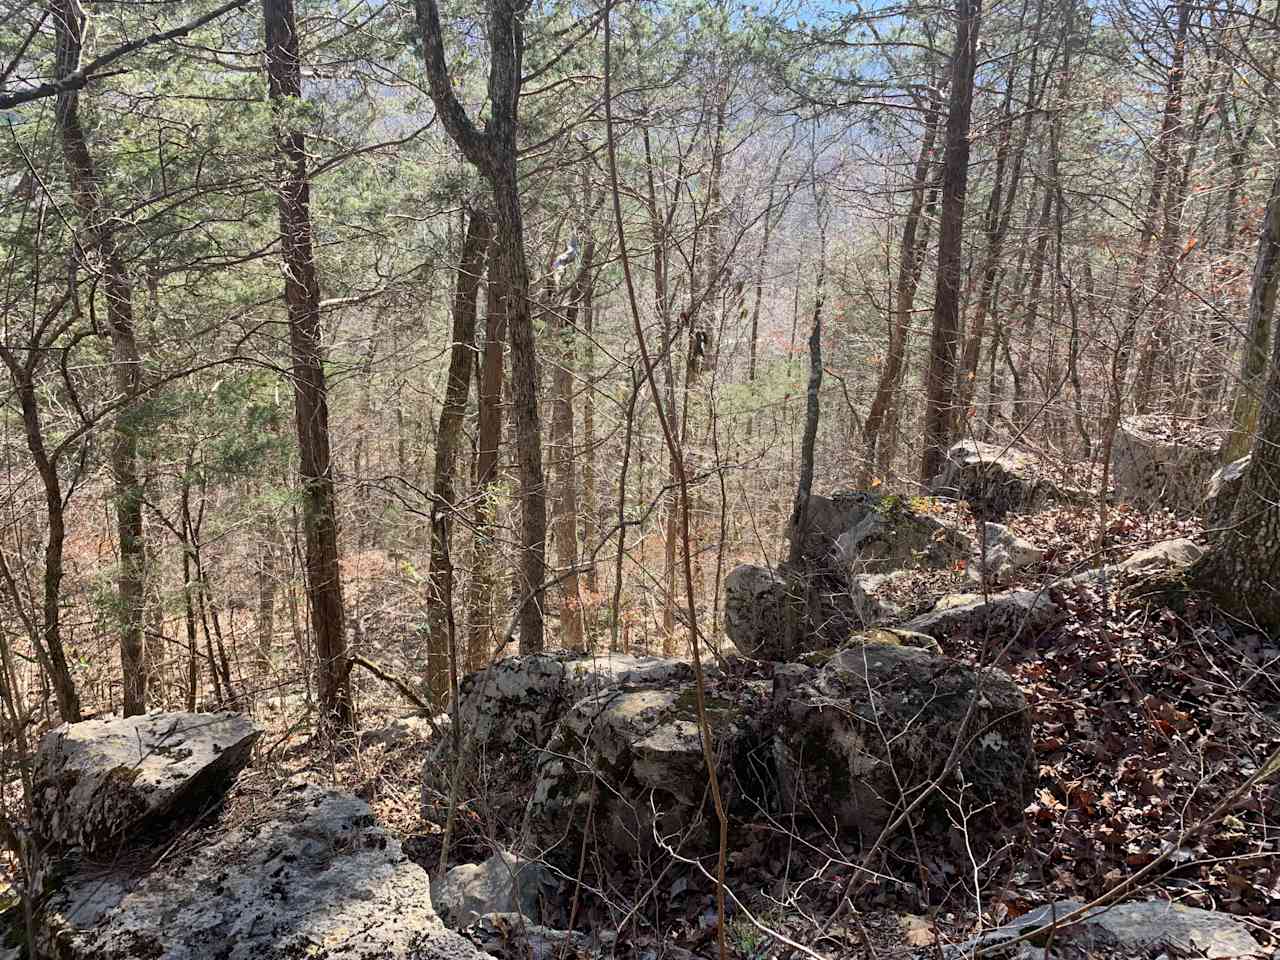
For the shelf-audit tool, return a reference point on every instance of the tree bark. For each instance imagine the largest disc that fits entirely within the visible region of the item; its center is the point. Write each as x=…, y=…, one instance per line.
x=1242, y=569
x=910, y=265
x=481, y=635
x=940, y=376
x=1262, y=305
x=493, y=153
x=302, y=298
x=126, y=361
x=452, y=412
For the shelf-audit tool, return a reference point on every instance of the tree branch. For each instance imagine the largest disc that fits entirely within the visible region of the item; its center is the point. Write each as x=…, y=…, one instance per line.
x=81, y=78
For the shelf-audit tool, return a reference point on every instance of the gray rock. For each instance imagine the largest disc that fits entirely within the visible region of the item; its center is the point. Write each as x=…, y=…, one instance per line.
x=637, y=749
x=1163, y=462
x=1006, y=555
x=315, y=877
x=1020, y=615
x=1136, y=929
x=755, y=611
x=1161, y=559
x=504, y=883
x=878, y=722
x=1221, y=493
x=995, y=480
x=95, y=781
x=858, y=532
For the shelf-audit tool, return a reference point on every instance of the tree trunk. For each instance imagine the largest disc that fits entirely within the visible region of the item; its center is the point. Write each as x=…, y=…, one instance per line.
x=940, y=376
x=910, y=265
x=1262, y=305
x=481, y=636
x=302, y=297
x=126, y=362
x=587, y=516
x=1242, y=570
x=565, y=491
x=493, y=153
x=452, y=411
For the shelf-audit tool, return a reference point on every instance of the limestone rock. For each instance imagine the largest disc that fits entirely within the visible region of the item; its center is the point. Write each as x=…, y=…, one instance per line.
x=1006, y=554
x=884, y=533
x=1159, y=560
x=97, y=780
x=900, y=636
x=995, y=480
x=1013, y=614
x=1143, y=929
x=1221, y=492
x=755, y=612
x=878, y=722
x=1162, y=462
x=315, y=877
x=638, y=750
x=504, y=883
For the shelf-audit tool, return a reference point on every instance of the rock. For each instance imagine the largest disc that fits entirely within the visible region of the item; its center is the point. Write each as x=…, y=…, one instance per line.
x=1129, y=929
x=878, y=722
x=1163, y=462
x=314, y=877
x=504, y=883
x=1221, y=493
x=858, y=532
x=1006, y=555
x=905, y=638
x=995, y=480
x=516, y=702
x=638, y=750
x=1163, y=559
x=1014, y=614
x=755, y=612
x=98, y=780
x=508, y=936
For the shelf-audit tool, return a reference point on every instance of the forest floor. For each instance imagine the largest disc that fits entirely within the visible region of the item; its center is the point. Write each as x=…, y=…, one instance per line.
x=1144, y=718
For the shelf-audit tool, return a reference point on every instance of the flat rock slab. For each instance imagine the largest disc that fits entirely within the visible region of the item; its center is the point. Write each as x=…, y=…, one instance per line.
x=1133, y=929
x=98, y=779
x=315, y=878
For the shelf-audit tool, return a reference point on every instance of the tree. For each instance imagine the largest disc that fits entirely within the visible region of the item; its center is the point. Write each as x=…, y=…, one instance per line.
x=940, y=377
x=1241, y=571
x=302, y=300
x=126, y=359
x=493, y=152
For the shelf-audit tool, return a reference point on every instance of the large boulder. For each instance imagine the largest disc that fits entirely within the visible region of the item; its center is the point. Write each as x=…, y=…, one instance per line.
x=1144, y=929
x=1003, y=556
x=863, y=734
x=859, y=532
x=626, y=766
x=312, y=877
x=504, y=883
x=755, y=611
x=994, y=479
x=1163, y=462
x=1018, y=615
x=515, y=703
x=1221, y=493
x=97, y=781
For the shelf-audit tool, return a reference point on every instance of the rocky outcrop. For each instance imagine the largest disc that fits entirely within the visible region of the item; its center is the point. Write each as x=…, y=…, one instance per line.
x=1159, y=561
x=626, y=766
x=96, y=781
x=314, y=877
x=863, y=734
x=1017, y=615
x=1221, y=492
x=755, y=611
x=995, y=480
x=1003, y=556
x=504, y=883
x=1154, y=928
x=1162, y=462
x=858, y=532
